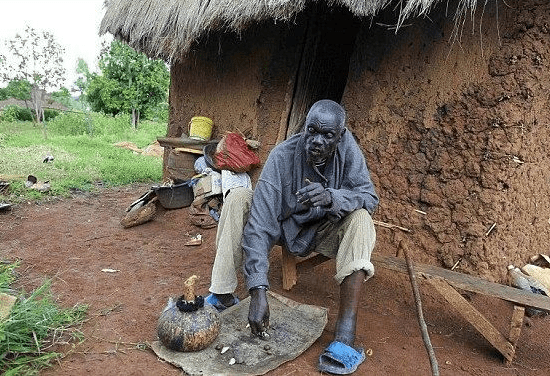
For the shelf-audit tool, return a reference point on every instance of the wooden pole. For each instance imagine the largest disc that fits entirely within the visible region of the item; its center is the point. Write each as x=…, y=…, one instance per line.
x=420, y=315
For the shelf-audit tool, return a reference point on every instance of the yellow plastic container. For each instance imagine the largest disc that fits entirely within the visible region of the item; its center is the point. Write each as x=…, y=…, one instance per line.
x=200, y=128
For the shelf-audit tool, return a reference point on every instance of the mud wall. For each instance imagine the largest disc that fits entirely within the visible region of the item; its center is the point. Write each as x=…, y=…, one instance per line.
x=239, y=81
x=455, y=129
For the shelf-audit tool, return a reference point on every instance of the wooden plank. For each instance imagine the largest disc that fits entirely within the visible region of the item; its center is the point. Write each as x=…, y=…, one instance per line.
x=291, y=265
x=176, y=142
x=289, y=269
x=515, y=328
x=283, y=122
x=324, y=63
x=516, y=324
x=311, y=262
x=467, y=282
x=188, y=150
x=473, y=316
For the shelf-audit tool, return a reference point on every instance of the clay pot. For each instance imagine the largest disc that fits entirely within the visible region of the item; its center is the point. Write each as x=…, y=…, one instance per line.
x=188, y=324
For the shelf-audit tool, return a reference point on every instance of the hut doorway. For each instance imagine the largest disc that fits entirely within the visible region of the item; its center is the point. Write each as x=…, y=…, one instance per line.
x=322, y=72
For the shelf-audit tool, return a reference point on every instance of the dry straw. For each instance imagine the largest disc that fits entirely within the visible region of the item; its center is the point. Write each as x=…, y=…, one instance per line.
x=167, y=29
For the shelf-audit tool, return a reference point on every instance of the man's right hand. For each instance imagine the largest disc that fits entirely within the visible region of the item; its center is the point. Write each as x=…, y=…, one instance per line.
x=314, y=194
x=258, y=313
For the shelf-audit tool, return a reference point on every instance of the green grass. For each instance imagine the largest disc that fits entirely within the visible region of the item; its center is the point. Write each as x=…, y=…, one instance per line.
x=35, y=325
x=83, y=151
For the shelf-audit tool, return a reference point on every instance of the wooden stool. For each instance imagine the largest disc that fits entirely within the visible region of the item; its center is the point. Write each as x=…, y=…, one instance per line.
x=291, y=264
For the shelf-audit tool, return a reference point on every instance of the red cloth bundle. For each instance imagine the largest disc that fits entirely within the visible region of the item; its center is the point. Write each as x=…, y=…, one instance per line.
x=233, y=154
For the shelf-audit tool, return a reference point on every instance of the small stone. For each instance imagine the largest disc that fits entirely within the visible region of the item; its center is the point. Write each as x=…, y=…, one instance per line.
x=232, y=361
x=219, y=346
x=224, y=350
x=267, y=347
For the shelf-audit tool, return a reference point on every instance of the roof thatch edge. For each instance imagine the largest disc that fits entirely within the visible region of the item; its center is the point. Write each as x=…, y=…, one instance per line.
x=167, y=29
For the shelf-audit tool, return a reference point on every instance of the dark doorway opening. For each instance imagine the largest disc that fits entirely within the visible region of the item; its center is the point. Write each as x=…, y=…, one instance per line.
x=324, y=63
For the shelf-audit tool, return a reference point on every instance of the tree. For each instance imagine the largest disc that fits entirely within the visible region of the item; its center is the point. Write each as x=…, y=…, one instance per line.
x=19, y=89
x=129, y=82
x=83, y=80
x=36, y=57
x=63, y=96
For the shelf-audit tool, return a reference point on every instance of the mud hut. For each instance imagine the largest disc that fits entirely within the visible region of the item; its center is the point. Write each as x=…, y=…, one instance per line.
x=448, y=99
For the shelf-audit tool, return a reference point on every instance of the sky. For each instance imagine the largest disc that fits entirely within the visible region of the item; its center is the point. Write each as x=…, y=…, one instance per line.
x=73, y=23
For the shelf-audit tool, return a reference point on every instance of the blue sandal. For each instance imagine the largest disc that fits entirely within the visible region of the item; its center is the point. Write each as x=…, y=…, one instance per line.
x=216, y=303
x=340, y=359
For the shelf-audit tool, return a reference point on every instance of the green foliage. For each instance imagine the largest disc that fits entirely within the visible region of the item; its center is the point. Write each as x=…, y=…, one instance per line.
x=50, y=114
x=19, y=89
x=158, y=113
x=88, y=123
x=129, y=80
x=71, y=124
x=106, y=95
x=16, y=113
x=84, y=76
x=62, y=96
x=82, y=146
x=28, y=332
x=7, y=275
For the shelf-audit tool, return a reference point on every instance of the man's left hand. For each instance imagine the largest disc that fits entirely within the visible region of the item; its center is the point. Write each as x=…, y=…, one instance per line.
x=314, y=194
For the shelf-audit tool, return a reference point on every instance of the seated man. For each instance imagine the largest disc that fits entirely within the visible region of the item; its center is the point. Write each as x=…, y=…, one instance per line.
x=314, y=194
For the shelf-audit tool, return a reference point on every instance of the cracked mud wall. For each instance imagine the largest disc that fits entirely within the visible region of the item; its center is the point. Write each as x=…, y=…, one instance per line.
x=459, y=129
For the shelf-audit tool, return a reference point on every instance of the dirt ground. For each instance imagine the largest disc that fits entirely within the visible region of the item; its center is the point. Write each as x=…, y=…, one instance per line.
x=72, y=240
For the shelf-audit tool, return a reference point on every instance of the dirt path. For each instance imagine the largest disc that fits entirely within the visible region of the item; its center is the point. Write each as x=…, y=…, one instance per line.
x=72, y=240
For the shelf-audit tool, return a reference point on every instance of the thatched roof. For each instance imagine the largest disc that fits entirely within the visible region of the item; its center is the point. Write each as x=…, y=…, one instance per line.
x=167, y=28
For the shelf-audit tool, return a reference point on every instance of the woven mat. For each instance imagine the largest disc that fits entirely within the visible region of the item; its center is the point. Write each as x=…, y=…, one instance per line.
x=294, y=327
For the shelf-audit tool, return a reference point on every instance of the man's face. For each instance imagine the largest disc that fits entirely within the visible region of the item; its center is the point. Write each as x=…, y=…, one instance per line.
x=322, y=134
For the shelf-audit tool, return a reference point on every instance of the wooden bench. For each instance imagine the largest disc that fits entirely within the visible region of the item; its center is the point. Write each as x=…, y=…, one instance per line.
x=445, y=282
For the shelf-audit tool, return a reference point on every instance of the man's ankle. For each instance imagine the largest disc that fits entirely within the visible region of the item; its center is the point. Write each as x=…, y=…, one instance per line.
x=344, y=334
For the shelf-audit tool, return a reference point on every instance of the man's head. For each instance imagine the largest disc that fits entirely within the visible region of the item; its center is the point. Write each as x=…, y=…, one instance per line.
x=323, y=129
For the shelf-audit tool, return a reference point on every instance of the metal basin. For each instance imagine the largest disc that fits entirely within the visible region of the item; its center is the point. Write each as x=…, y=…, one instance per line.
x=175, y=196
